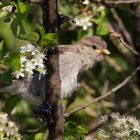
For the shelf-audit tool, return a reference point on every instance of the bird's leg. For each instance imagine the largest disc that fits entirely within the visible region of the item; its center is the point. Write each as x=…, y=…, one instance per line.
x=44, y=111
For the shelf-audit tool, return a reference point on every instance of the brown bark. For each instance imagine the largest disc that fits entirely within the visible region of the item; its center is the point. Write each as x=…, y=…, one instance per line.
x=53, y=83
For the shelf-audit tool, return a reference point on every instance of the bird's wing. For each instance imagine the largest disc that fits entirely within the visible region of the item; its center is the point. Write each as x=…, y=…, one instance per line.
x=32, y=90
x=69, y=68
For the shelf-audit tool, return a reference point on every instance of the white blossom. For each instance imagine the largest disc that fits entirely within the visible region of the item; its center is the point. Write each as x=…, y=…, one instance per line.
x=18, y=74
x=119, y=127
x=86, y=2
x=84, y=22
x=8, y=129
x=103, y=118
x=123, y=134
x=100, y=8
x=31, y=59
x=38, y=59
x=29, y=67
x=6, y=8
x=28, y=48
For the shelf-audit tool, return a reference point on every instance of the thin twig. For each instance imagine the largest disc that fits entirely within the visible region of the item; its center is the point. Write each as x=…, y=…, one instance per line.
x=123, y=83
x=116, y=2
x=122, y=27
x=37, y=129
x=118, y=37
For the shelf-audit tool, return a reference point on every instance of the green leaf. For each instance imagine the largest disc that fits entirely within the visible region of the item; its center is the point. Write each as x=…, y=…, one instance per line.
x=32, y=36
x=70, y=128
x=41, y=31
x=102, y=29
x=17, y=27
x=22, y=8
x=81, y=137
x=6, y=35
x=7, y=18
x=69, y=138
x=13, y=61
x=39, y=136
x=11, y=103
x=50, y=40
x=6, y=78
x=4, y=4
x=1, y=48
x=82, y=129
x=82, y=33
x=18, y=30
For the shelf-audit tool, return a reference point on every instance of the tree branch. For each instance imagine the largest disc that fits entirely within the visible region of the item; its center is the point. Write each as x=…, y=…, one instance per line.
x=122, y=27
x=122, y=84
x=116, y=2
x=53, y=83
x=118, y=37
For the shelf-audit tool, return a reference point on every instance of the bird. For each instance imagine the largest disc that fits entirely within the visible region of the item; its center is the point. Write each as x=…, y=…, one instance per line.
x=73, y=60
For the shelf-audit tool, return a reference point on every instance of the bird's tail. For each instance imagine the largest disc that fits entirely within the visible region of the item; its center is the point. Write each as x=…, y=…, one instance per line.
x=15, y=88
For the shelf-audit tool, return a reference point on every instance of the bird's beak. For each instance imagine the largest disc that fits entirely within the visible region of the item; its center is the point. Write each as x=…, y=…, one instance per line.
x=103, y=51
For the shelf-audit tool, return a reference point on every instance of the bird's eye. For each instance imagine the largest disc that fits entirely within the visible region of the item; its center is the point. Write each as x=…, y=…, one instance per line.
x=94, y=46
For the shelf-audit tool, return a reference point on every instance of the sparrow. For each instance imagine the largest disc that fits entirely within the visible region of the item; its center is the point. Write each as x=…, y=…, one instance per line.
x=73, y=60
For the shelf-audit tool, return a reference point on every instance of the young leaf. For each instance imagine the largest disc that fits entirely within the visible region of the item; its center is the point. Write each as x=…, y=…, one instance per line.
x=41, y=31
x=4, y=3
x=18, y=30
x=13, y=61
x=82, y=129
x=11, y=103
x=22, y=8
x=39, y=136
x=17, y=27
x=32, y=36
x=102, y=29
x=70, y=128
x=50, y=39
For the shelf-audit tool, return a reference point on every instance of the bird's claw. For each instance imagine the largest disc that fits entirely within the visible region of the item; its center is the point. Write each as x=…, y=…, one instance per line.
x=44, y=112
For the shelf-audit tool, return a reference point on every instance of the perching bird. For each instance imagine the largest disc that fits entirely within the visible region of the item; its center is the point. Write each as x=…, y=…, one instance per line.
x=73, y=59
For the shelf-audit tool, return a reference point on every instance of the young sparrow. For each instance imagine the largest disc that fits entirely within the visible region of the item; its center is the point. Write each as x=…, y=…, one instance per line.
x=73, y=60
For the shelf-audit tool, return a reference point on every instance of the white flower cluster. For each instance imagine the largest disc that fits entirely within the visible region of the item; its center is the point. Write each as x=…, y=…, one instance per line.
x=31, y=60
x=84, y=22
x=85, y=2
x=8, y=129
x=119, y=127
x=5, y=10
x=89, y=14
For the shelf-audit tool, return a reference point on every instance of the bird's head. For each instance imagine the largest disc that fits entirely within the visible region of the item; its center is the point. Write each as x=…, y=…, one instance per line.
x=94, y=47
x=92, y=50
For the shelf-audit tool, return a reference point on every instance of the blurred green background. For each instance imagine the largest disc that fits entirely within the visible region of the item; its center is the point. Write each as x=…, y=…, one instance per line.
x=95, y=82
